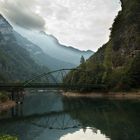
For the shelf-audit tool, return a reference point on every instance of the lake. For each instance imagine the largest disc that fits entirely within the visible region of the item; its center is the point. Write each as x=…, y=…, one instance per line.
x=47, y=115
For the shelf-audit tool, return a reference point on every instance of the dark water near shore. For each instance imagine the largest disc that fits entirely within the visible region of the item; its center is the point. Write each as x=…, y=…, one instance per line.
x=49, y=116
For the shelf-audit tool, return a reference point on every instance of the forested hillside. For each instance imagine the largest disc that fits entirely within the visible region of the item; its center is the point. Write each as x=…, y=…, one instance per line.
x=117, y=63
x=15, y=62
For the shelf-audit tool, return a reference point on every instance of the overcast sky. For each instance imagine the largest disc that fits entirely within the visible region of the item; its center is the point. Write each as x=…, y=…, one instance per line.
x=83, y=24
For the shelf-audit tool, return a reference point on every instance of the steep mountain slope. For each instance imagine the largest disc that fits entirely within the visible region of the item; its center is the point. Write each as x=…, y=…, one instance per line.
x=41, y=57
x=52, y=47
x=15, y=62
x=117, y=63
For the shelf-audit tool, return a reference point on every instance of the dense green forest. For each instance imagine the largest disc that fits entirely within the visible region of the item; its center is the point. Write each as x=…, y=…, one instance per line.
x=117, y=63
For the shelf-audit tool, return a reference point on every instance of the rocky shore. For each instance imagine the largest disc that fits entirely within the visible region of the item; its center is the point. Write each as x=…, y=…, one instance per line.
x=6, y=105
x=110, y=95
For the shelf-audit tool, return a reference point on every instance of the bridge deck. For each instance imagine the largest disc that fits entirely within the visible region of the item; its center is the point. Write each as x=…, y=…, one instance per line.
x=48, y=85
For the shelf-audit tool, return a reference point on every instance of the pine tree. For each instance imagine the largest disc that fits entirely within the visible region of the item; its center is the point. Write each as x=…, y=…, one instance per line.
x=82, y=60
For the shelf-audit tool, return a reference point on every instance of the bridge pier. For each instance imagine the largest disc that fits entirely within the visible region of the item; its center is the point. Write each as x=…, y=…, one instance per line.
x=17, y=110
x=17, y=96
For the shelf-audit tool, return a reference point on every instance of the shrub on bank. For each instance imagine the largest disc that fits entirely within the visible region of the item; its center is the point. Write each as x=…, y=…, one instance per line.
x=7, y=137
x=3, y=97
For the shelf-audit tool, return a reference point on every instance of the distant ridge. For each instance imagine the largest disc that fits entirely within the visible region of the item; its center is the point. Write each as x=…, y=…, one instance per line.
x=52, y=47
x=39, y=56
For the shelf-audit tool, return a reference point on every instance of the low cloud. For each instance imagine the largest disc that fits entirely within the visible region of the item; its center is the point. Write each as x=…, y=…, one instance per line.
x=21, y=14
x=80, y=23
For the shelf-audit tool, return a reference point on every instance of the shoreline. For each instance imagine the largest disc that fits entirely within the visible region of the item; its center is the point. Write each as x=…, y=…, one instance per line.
x=110, y=95
x=7, y=105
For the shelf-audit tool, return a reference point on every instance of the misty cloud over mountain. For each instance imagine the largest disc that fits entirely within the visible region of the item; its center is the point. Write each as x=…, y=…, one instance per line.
x=83, y=24
x=22, y=15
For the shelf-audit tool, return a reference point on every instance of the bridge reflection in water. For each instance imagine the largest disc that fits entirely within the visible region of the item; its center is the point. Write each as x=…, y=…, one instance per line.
x=49, y=115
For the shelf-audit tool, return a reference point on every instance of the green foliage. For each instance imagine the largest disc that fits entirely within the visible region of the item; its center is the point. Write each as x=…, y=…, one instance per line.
x=7, y=137
x=134, y=72
x=107, y=62
x=3, y=97
x=108, y=57
x=82, y=60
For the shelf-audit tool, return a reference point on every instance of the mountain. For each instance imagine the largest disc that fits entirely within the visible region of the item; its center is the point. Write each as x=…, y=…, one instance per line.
x=39, y=56
x=117, y=63
x=67, y=52
x=52, y=47
x=15, y=61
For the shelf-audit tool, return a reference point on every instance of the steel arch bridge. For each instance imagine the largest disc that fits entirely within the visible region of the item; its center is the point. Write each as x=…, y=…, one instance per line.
x=49, y=80
x=52, y=79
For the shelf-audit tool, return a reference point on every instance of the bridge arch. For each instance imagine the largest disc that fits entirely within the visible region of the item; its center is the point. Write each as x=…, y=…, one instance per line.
x=55, y=76
x=56, y=83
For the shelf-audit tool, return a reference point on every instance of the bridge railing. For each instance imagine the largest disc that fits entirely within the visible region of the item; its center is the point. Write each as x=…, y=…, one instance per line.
x=50, y=85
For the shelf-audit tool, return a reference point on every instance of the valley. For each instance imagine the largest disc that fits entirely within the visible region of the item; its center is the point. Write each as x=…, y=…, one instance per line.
x=52, y=91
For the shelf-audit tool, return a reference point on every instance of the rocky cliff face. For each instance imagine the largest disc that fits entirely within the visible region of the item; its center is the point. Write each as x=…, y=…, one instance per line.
x=117, y=63
x=5, y=27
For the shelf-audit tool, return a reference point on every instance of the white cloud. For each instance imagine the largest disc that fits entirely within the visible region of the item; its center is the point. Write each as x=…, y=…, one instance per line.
x=80, y=23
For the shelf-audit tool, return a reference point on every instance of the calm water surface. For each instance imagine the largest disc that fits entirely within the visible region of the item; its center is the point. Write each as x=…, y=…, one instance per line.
x=49, y=116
